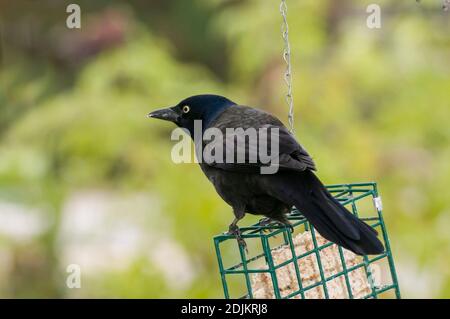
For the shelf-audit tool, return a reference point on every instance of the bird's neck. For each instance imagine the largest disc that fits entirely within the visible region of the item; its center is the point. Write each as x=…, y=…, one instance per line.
x=209, y=117
x=212, y=113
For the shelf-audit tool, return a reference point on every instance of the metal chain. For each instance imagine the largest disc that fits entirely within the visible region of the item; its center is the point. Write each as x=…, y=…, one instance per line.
x=287, y=59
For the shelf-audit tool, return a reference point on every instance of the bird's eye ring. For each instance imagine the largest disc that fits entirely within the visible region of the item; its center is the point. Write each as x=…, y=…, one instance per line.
x=186, y=109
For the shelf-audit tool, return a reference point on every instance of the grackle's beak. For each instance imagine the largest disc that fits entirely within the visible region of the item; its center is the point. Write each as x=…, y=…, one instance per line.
x=167, y=114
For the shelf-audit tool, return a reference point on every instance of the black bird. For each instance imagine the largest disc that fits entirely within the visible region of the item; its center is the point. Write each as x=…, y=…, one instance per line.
x=246, y=190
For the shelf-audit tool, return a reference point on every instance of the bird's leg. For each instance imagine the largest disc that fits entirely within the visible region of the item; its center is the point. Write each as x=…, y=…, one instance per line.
x=233, y=229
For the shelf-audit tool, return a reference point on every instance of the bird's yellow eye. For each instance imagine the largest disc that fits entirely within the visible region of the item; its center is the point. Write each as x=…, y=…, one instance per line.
x=186, y=108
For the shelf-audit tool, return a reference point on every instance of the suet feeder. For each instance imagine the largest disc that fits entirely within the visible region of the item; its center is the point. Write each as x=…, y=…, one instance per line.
x=302, y=264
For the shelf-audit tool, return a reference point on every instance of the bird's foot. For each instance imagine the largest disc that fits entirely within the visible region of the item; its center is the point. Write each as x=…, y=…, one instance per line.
x=288, y=225
x=234, y=230
x=269, y=221
x=266, y=221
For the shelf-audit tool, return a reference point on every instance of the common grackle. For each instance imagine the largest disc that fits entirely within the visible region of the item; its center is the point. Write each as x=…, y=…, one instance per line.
x=247, y=190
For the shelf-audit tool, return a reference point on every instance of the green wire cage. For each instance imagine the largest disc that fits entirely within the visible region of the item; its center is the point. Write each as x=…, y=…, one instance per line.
x=277, y=265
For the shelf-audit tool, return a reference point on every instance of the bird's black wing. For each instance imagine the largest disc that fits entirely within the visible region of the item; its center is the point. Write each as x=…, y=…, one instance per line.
x=237, y=123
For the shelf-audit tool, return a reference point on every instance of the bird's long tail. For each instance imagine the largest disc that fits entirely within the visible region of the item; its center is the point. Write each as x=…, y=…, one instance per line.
x=329, y=217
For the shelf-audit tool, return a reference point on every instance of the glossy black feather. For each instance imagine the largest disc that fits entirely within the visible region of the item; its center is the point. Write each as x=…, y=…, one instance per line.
x=292, y=156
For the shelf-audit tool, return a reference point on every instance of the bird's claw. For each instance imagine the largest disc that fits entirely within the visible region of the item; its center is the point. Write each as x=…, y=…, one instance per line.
x=265, y=221
x=289, y=225
x=268, y=221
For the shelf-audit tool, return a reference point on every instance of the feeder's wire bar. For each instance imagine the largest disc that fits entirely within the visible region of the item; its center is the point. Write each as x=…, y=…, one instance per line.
x=319, y=262
x=350, y=186
x=296, y=265
x=377, y=258
x=354, y=190
x=387, y=247
x=380, y=291
x=273, y=274
x=366, y=263
x=246, y=273
x=340, y=194
x=345, y=271
x=221, y=269
x=353, y=199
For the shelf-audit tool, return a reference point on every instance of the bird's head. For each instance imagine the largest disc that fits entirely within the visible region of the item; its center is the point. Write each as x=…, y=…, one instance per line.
x=199, y=107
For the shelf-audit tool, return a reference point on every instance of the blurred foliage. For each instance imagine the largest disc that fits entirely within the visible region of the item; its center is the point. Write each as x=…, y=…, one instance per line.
x=371, y=104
